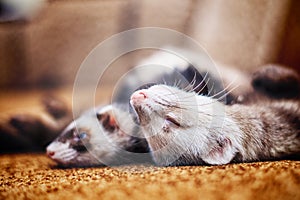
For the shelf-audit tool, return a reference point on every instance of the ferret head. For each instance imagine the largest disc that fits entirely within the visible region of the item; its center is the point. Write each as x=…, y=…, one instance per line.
x=92, y=139
x=178, y=126
x=165, y=105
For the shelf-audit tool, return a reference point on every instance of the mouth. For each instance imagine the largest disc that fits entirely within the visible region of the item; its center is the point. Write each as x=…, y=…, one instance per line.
x=60, y=152
x=140, y=108
x=133, y=110
x=140, y=113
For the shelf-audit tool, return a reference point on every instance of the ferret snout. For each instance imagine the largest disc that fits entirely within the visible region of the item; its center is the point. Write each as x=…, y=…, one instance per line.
x=50, y=153
x=61, y=152
x=138, y=97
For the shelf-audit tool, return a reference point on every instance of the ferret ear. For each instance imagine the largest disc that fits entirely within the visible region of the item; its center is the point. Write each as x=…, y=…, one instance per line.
x=107, y=119
x=222, y=153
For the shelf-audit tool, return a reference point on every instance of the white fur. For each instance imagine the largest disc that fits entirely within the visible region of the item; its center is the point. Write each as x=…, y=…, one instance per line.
x=103, y=147
x=203, y=122
x=62, y=152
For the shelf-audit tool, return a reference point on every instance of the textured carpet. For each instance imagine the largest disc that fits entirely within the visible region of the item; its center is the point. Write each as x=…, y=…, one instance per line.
x=34, y=176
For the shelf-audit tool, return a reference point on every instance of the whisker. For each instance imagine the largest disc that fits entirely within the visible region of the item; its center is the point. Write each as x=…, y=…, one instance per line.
x=201, y=112
x=220, y=92
x=195, y=88
x=211, y=89
x=188, y=88
x=228, y=92
x=224, y=91
x=193, y=82
x=177, y=83
x=191, y=92
x=164, y=81
x=204, y=86
x=191, y=85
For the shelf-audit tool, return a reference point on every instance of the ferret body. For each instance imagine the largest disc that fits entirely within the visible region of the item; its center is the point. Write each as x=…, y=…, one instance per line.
x=183, y=128
x=88, y=141
x=92, y=140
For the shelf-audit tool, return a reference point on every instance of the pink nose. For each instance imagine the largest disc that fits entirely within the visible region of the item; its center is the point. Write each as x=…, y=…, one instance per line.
x=138, y=96
x=50, y=153
x=142, y=95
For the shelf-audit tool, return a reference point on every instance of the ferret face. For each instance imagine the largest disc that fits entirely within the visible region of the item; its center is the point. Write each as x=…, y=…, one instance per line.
x=168, y=118
x=173, y=107
x=177, y=125
x=92, y=139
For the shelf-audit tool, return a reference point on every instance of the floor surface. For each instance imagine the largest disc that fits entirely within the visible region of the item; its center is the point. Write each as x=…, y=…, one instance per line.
x=34, y=176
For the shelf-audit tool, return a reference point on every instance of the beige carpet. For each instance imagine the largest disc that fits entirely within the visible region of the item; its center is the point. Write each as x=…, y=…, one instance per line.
x=34, y=176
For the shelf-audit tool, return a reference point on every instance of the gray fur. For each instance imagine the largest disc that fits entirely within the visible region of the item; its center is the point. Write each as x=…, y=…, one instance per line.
x=110, y=139
x=208, y=132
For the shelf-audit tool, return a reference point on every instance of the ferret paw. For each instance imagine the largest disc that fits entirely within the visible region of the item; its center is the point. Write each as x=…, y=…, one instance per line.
x=277, y=82
x=32, y=129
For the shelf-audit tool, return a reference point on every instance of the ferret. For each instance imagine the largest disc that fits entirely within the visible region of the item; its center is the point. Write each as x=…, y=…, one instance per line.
x=97, y=138
x=91, y=140
x=183, y=128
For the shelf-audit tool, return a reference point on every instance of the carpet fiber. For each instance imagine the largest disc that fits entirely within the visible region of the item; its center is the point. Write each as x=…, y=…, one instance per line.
x=34, y=176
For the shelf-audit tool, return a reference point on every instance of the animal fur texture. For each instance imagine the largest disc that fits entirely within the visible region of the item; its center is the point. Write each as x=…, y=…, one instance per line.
x=97, y=138
x=208, y=131
x=183, y=128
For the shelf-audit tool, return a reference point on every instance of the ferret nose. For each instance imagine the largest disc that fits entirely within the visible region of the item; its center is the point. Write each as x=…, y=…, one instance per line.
x=139, y=96
x=50, y=153
x=142, y=95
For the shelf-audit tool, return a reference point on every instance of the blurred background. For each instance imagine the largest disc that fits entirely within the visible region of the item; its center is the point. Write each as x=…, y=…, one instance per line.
x=44, y=44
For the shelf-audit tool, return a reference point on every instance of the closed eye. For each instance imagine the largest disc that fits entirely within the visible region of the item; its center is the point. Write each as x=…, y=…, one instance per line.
x=173, y=121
